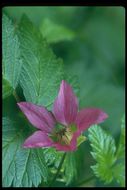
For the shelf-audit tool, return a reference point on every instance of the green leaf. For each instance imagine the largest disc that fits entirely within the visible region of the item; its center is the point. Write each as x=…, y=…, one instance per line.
x=68, y=171
x=70, y=168
x=81, y=139
x=119, y=172
x=6, y=89
x=55, y=33
x=21, y=167
x=10, y=52
x=42, y=72
x=121, y=147
x=52, y=157
x=109, y=165
x=103, y=146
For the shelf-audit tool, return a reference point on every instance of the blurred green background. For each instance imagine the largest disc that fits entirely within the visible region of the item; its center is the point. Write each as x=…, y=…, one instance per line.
x=96, y=55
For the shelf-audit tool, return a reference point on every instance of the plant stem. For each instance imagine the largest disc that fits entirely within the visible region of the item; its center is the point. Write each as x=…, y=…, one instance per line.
x=58, y=170
x=16, y=96
x=86, y=180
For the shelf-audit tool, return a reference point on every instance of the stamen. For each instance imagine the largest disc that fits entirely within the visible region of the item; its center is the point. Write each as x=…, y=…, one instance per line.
x=62, y=135
x=65, y=140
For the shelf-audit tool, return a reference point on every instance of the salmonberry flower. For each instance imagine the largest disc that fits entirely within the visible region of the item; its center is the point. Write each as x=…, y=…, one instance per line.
x=62, y=127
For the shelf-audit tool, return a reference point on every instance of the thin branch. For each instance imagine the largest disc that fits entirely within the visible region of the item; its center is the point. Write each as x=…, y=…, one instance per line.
x=58, y=170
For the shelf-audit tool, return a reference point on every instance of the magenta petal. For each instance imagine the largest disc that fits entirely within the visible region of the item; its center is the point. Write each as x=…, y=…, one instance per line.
x=65, y=148
x=38, y=139
x=65, y=106
x=38, y=116
x=87, y=117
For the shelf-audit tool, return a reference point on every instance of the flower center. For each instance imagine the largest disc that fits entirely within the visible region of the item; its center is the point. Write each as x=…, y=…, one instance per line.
x=63, y=134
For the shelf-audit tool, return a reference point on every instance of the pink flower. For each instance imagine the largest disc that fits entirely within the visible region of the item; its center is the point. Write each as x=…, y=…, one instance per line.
x=61, y=128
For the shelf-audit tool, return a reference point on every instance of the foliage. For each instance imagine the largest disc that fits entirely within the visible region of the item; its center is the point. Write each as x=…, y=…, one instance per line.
x=53, y=158
x=121, y=147
x=11, y=57
x=26, y=168
x=32, y=70
x=21, y=167
x=109, y=163
x=71, y=171
x=42, y=71
x=55, y=33
x=6, y=88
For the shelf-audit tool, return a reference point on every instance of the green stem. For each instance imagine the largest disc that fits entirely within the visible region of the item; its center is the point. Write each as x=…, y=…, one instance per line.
x=58, y=170
x=16, y=96
x=86, y=180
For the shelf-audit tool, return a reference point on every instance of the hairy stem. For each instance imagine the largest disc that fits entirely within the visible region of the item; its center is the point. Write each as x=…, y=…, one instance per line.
x=58, y=170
